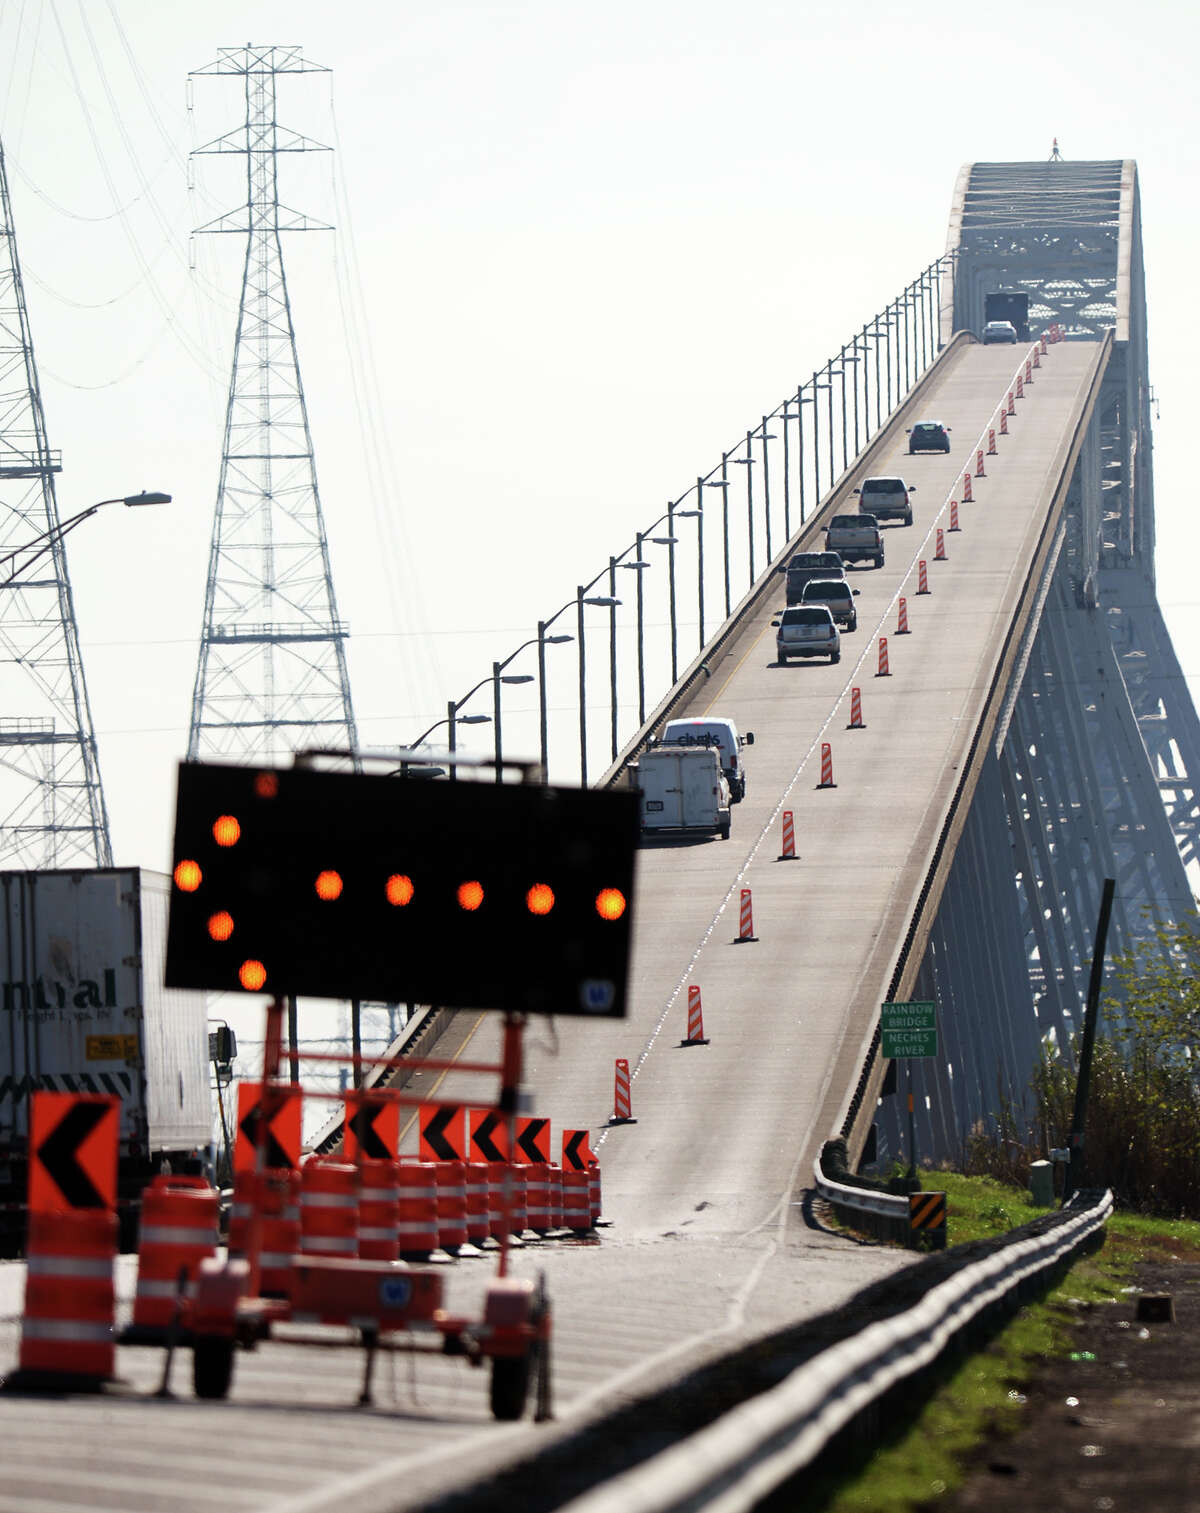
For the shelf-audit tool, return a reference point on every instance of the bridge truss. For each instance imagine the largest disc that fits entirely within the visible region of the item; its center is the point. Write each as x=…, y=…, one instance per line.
x=1091, y=769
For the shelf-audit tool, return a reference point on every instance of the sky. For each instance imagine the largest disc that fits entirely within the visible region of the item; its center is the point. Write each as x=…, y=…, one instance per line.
x=577, y=252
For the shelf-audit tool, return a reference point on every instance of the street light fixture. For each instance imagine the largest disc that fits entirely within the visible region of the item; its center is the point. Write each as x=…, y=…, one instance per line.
x=46, y=540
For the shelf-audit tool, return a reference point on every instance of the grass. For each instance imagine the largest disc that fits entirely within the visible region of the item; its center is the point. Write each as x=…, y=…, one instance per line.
x=928, y=1455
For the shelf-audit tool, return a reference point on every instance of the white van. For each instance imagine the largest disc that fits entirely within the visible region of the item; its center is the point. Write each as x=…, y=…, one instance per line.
x=681, y=788
x=718, y=731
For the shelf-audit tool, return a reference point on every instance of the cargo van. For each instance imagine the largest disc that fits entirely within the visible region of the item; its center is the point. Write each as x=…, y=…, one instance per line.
x=681, y=789
x=718, y=731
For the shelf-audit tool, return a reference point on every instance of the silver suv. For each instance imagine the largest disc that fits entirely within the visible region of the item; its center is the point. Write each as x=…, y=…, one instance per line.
x=838, y=595
x=807, y=630
x=886, y=498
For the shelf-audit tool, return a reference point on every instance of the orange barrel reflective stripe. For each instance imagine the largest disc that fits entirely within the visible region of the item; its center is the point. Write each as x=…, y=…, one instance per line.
x=328, y=1208
x=417, y=1218
x=178, y=1230
x=279, y=1233
x=451, y=1204
x=517, y=1218
x=556, y=1195
x=478, y=1202
x=577, y=1208
x=67, y=1329
x=594, y=1191
x=378, y=1210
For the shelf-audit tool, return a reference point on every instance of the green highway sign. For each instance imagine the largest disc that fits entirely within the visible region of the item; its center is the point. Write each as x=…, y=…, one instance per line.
x=908, y=1029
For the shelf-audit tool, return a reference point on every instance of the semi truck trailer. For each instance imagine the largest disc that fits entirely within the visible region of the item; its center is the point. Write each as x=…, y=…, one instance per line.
x=83, y=1010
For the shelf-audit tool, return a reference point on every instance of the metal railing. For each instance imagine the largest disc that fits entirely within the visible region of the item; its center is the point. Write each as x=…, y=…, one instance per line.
x=652, y=626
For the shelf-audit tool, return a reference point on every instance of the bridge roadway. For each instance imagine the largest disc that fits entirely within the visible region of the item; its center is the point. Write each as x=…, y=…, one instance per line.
x=708, y=1242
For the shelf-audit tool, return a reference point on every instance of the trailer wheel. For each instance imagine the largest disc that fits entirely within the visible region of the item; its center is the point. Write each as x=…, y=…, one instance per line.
x=510, y=1386
x=212, y=1366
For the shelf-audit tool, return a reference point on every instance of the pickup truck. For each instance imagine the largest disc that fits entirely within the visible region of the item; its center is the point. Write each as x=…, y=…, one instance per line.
x=855, y=538
x=806, y=565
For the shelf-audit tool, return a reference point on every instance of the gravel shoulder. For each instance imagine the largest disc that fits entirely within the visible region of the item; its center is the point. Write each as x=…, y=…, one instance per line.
x=1114, y=1426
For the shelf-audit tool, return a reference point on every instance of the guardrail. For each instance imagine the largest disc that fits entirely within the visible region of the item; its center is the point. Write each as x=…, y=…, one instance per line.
x=764, y=1442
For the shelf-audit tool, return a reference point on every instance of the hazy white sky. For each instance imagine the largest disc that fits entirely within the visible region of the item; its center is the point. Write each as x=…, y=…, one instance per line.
x=578, y=252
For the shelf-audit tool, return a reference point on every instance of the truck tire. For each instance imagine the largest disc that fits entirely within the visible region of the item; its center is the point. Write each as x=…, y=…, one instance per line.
x=725, y=829
x=908, y=517
x=853, y=625
x=783, y=660
x=212, y=1366
x=510, y=1386
x=834, y=658
x=879, y=560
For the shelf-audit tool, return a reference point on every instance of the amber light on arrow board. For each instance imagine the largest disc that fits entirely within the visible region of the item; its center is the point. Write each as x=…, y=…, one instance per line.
x=470, y=896
x=227, y=830
x=540, y=898
x=399, y=889
x=610, y=903
x=328, y=886
x=252, y=975
x=188, y=876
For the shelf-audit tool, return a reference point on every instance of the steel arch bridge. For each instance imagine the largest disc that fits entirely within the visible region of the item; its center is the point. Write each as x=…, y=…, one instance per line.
x=1089, y=767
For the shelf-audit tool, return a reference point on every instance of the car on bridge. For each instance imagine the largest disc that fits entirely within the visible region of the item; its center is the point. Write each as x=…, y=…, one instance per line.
x=886, y=498
x=928, y=436
x=806, y=565
x=838, y=595
x=999, y=330
x=807, y=630
x=721, y=732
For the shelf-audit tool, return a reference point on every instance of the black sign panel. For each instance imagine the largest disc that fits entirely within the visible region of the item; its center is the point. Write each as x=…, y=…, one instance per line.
x=338, y=885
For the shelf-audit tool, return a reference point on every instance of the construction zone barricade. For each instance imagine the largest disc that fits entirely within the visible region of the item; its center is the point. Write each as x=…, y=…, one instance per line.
x=67, y=1339
x=594, y=1192
x=398, y=1205
x=179, y=1229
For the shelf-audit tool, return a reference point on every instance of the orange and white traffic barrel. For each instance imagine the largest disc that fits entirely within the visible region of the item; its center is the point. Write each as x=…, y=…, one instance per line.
x=479, y=1205
x=378, y=1210
x=67, y=1328
x=556, y=1195
x=594, y=1191
x=240, y=1211
x=537, y=1197
x=577, y=1208
x=179, y=1228
x=417, y=1215
x=518, y=1219
x=451, y=1204
x=329, y=1208
x=279, y=1229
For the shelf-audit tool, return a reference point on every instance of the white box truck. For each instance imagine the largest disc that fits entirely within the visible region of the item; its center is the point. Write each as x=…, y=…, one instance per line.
x=682, y=789
x=85, y=1011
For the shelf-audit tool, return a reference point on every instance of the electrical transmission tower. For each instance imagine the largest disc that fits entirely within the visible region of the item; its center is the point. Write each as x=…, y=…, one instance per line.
x=271, y=675
x=52, y=810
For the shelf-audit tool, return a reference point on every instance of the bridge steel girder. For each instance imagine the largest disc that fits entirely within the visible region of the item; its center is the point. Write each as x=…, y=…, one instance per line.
x=1093, y=765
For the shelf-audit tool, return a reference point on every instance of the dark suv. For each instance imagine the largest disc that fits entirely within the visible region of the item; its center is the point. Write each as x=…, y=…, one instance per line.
x=929, y=436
